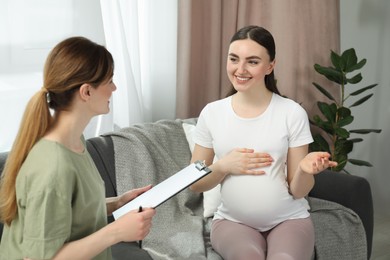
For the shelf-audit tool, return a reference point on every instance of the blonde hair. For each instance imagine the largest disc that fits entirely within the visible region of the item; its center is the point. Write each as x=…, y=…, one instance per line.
x=70, y=64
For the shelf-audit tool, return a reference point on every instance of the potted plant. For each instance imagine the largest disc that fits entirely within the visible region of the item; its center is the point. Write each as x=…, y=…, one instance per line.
x=334, y=137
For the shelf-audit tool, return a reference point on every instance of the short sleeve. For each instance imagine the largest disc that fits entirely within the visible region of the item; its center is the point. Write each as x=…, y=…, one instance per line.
x=299, y=127
x=202, y=134
x=47, y=224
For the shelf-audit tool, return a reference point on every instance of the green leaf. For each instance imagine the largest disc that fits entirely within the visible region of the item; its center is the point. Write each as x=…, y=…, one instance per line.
x=343, y=147
x=320, y=144
x=318, y=121
x=360, y=162
x=349, y=59
x=357, y=92
x=333, y=108
x=336, y=61
x=313, y=147
x=324, y=125
x=342, y=161
x=330, y=73
x=362, y=100
x=357, y=66
x=355, y=79
x=345, y=121
x=356, y=140
x=344, y=112
x=327, y=111
x=365, y=131
x=323, y=91
x=340, y=166
x=341, y=132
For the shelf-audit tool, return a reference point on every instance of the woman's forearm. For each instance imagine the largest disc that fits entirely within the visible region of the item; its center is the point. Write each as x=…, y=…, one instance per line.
x=88, y=247
x=301, y=184
x=210, y=181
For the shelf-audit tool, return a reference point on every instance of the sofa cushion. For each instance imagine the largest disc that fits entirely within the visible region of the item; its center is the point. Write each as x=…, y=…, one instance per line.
x=211, y=198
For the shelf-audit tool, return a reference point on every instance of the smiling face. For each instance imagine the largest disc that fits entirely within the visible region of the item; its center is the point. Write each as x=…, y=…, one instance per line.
x=100, y=97
x=247, y=65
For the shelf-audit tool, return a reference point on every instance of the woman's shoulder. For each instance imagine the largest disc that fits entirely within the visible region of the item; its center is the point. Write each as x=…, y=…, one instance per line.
x=47, y=151
x=218, y=104
x=285, y=100
x=288, y=104
x=215, y=109
x=47, y=160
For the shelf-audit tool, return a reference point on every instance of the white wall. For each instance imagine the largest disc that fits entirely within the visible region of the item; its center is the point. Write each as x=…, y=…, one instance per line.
x=28, y=31
x=365, y=26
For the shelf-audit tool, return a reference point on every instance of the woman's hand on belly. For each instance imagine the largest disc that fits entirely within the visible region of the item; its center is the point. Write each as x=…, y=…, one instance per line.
x=245, y=161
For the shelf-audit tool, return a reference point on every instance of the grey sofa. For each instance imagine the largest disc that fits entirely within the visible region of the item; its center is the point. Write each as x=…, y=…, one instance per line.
x=334, y=196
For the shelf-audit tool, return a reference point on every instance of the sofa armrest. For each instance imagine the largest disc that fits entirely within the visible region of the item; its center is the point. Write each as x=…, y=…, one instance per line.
x=351, y=191
x=101, y=150
x=129, y=250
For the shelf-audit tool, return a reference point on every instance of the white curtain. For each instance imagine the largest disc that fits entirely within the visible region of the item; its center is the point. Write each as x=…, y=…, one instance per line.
x=131, y=29
x=28, y=31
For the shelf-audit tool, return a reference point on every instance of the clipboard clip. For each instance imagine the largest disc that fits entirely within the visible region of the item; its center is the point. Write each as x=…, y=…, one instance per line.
x=200, y=165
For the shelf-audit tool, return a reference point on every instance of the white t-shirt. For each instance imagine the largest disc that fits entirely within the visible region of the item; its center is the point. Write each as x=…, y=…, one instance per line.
x=261, y=201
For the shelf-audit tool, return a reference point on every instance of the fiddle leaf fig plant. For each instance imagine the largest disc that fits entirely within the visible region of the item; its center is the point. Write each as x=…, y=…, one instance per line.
x=335, y=137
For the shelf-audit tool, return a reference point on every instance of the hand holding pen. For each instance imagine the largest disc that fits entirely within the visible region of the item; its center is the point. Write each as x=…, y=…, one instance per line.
x=133, y=226
x=140, y=242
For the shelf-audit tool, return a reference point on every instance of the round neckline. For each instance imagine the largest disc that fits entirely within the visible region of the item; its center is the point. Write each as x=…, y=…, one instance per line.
x=66, y=148
x=251, y=118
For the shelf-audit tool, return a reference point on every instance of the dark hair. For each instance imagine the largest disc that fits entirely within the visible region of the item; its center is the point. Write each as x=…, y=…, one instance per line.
x=265, y=39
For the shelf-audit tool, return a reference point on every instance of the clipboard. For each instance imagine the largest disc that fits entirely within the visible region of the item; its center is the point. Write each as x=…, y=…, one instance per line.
x=166, y=189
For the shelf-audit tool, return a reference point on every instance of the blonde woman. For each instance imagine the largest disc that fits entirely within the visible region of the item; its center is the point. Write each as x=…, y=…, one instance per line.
x=52, y=198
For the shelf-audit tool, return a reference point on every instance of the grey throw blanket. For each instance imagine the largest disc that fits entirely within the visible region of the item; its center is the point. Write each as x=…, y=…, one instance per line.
x=148, y=154
x=339, y=231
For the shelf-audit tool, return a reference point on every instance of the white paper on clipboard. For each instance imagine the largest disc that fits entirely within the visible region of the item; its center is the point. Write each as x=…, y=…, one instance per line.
x=165, y=189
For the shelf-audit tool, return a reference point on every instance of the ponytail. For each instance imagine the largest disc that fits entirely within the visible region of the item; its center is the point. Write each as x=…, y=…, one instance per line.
x=71, y=63
x=35, y=123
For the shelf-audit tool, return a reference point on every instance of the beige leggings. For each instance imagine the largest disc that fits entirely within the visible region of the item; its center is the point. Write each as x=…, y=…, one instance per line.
x=291, y=239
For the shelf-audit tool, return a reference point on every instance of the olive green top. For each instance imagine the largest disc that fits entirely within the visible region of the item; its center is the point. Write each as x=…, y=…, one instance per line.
x=60, y=198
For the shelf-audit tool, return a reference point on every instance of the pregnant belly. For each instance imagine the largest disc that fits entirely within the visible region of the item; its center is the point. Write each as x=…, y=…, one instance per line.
x=254, y=200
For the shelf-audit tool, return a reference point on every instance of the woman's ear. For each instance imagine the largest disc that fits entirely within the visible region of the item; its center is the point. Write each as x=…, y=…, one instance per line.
x=271, y=67
x=84, y=91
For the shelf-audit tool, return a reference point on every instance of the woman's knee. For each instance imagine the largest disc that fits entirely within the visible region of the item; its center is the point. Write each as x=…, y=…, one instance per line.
x=245, y=252
x=236, y=241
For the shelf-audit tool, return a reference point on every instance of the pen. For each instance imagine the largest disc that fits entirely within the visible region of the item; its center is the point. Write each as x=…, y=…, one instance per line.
x=140, y=242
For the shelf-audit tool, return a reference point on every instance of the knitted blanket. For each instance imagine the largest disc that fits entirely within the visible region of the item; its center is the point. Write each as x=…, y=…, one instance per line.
x=339, y=231
x=149, y=153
